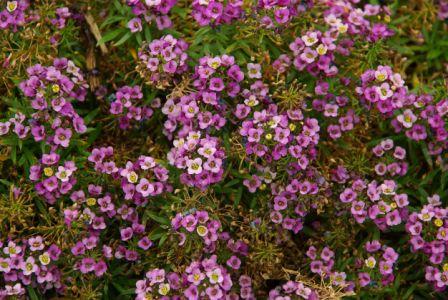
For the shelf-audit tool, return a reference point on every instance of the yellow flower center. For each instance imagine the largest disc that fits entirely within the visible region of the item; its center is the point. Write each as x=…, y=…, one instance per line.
x=445, y=267
x=201, y=230
x=48, y=172
x=251, y=102
x=381, y=77
x=11, y=6
x=215, y=65
x=342, y=28
x=164, y=289
x=55, y=88
x=63, y=174
x=321, y=49
x=148, y=296
x=29, y=266
x=91, y=201
x=133, y=177
x=438, y=222
x=44, y=259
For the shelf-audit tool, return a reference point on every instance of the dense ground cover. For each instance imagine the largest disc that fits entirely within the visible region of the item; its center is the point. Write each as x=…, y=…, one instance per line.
x=223, y=149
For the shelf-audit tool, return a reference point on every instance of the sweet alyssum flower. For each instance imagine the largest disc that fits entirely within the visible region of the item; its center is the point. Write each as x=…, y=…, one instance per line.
x=29, y=262
x=53, y=180
x=162, y=60
x=150, y=11
x=201, y=158
x=213, y=12
x=127, y=105
x=51, y=91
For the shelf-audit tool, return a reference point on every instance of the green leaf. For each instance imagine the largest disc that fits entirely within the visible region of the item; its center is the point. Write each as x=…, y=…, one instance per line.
x=147, y=32
x=110, y=36
x=157, y=218
x=32, y=293
x=123, y=39
x=91, y=115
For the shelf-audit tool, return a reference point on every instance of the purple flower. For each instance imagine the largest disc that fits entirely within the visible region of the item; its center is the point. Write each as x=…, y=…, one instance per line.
x=62, y=137
x=135, y=25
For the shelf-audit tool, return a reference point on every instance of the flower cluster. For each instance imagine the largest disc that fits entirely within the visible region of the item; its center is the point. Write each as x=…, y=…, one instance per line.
x=216, y=77
x=392, y=159
x=214, y=12
x=52, y=178
x=270, y=138
x=335, y=107
x=423, y=119
x=378, y=265
x=291, y=290
x=428, y=229
x=149, y=11
x=51, y=91
x=202, y=158
x=20, y=129
x=204, y=279
x=126, y=106
x=322, y=263
x=29, y=263
x=191, y=113
x=139, y=180
x=343, y=15
x=62, y=14
x=279, y=10
x=88, y=264
x=376, y=201
x=161, y=60
x=315, y=52
x=13, y=15
x=95, y=213
x=383, y=89
x=273, y=136
x=207, y=229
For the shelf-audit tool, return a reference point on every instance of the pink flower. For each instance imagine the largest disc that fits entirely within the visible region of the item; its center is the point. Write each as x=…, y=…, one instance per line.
x=126, y=233
x=407, y=119
x=215, y=276
x=36, y=243
x=135, y=25
x=393, y=218
x=384, y=91
x=87, y=265
x=252, y=184
x=194, y=166
x=62, y=137
x=144, y=187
